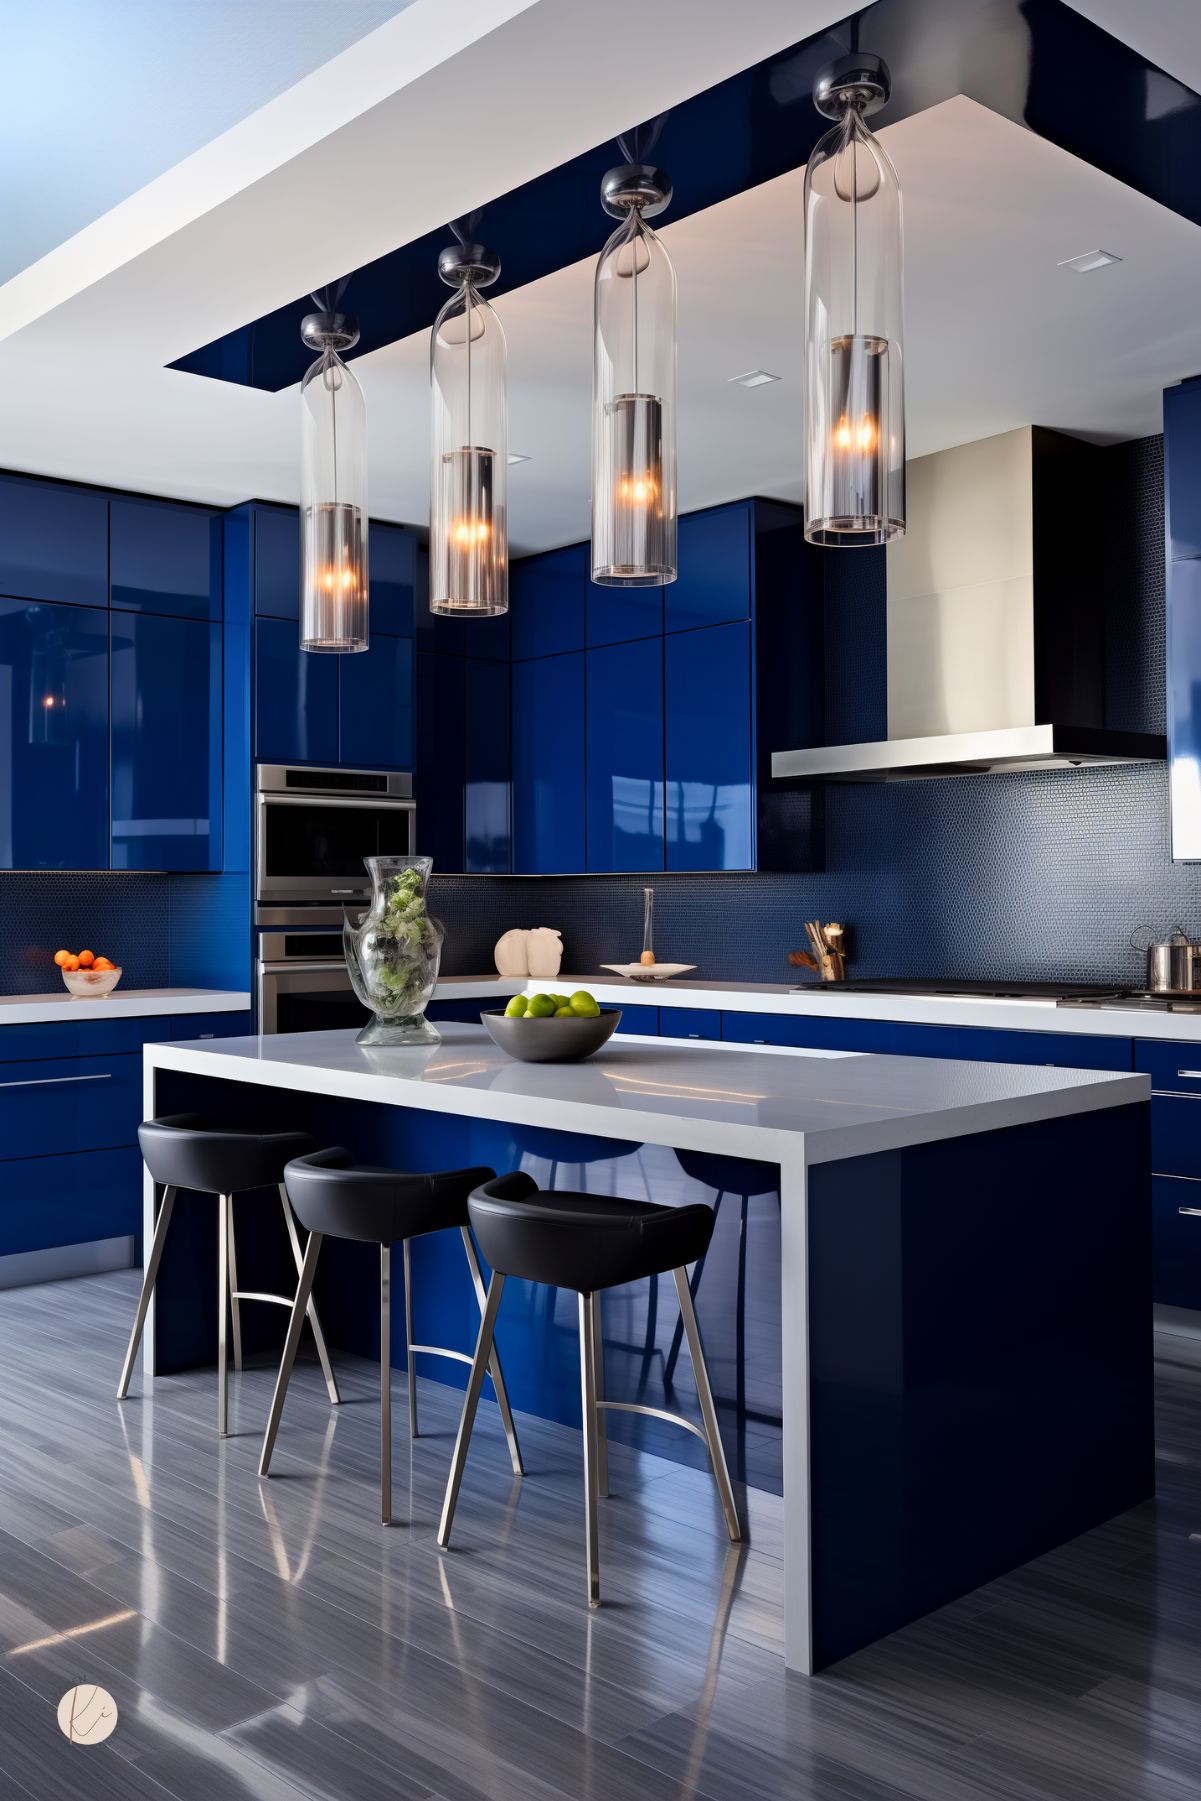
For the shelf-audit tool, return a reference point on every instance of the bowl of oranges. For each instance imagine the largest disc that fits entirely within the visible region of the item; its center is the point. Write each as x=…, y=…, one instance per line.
x=88, y=977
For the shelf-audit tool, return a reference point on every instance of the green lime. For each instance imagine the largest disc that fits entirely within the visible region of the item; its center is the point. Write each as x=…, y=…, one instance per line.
x=564, y=1013
x=584, y=1005
x=516, y=1007
x=541, y=1006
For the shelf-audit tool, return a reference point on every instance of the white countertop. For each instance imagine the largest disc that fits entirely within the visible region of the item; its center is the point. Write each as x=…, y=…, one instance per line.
x=126, y=1003
x=768, y=997
x=780, y=1106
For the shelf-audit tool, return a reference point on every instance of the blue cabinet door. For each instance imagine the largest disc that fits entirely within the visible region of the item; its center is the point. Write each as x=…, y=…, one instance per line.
x=546, y=602
x=165, y=689
x=439, y=769
x=1182, y=467
x=1175, y=1242
x=614, y=615
x=548, y=765
x=487, y=767
x=53, y=736
x=1183, y=596
x=709, y=795
x=624, y=762
x=165, y=559
x=375, y=710
x=689, y=1022
x=277, y=562
x=392, y=567
x=296, y=697
x=713, y=583
x=641, y=1020
x=53, y=542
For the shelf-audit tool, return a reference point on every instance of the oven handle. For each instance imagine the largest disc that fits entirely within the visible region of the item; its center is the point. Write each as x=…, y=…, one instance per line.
x=387, y=801
x=306, y=968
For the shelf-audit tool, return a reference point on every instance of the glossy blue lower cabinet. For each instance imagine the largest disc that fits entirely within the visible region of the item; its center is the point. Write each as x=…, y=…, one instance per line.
x=643, y=1020
x=166, y=742
x=1176, y=1241
x=69, y=1104
x=689, y=1022
x=375, y=704
x=624, y=764
x=296, y=697
x=792, y=1030
x=487, y=768
x=709, y=793
x=164, y=559
x=53, y=736
x=1173, y=1068
x=72, y=1199
x=548, y=765
x=208, y=1025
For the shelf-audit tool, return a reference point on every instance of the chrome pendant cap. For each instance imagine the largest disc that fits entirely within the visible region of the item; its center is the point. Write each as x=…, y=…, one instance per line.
x=859, y=79
x=635, y=185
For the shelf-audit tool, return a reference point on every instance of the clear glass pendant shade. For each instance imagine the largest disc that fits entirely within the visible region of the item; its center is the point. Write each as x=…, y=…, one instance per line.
x=469, y=547
x=854, y=403
x=634, y=411
x=333, y=508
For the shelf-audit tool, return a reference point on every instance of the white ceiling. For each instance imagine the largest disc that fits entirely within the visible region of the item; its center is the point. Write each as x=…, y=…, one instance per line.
x=997, y=334
x=103, y=97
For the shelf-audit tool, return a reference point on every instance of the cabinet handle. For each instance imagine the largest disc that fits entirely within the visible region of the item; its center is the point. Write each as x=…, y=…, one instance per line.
x=1192, y=1075
x=56, y=1081
x=1195, y=1211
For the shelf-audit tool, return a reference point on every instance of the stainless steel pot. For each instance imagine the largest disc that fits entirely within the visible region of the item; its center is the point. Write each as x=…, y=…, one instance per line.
x=1174, y=967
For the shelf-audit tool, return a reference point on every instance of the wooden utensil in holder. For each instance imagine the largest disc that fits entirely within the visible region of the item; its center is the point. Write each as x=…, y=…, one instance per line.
x=828, y=955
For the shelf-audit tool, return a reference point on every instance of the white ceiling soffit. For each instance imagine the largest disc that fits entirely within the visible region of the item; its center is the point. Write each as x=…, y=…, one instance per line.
x=1166, y=32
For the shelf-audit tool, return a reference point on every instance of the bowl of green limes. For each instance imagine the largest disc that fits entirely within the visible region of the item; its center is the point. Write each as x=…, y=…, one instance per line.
x=552, y=1028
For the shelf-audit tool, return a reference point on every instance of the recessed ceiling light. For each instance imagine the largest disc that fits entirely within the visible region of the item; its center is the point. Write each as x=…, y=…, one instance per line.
x=1090, y=260
x=515, y=458
x=754, y=378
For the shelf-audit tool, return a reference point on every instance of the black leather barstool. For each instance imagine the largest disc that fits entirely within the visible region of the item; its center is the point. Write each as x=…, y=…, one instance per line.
x=737, y=1176
x=588, y=1242
x=336, y=1198
x=183, y=1150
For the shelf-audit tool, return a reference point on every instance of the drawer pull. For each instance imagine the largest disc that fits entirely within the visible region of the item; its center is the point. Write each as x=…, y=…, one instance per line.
x=56, y=1081
x=1195, y=1211
x=1190, y=1075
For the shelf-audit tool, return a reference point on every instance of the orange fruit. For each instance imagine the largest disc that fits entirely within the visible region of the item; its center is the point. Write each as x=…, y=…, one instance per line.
x=60, y=957
x=86, y=959
x=103, y=963
x=72, y=963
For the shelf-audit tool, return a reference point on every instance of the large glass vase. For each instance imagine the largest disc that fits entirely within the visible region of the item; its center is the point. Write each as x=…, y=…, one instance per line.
x=394, y=951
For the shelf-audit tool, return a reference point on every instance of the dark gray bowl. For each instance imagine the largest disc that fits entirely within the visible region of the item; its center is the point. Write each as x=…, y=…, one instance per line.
x=552, y=1040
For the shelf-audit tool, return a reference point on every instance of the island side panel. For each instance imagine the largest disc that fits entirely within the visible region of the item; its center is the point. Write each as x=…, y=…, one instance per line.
x=980, y=1359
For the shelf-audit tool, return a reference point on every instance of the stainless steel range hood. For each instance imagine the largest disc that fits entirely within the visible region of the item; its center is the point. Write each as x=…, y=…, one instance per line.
x=996, y=623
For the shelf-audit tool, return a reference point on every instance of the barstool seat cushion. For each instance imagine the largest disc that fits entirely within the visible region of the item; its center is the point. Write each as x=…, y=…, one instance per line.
x=582, y=1241
x=332, y=1194
x=185, y=1150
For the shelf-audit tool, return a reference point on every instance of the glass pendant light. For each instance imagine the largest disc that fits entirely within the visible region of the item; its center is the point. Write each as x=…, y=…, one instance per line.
x=333, y=490
x=855, y=407
x=634, y=388
x=469, y=540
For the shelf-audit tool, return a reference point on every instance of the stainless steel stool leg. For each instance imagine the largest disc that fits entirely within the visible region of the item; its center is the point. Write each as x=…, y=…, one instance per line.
x=222, y=1313
x=410, y=1354
x=318, y=1335
x=235, y=1306
x=304, y=1289
x=717, y=1456
x=471, y=1400
x=494, y=1369
x=166, y=1208
x=598, y=1379
x=385, y=1381
x=588, y=1409
x=677, y=1337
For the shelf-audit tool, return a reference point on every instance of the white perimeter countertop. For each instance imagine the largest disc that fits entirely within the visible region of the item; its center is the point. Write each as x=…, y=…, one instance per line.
x=928, y=1009
x=125, y=1003
x=793, y=1107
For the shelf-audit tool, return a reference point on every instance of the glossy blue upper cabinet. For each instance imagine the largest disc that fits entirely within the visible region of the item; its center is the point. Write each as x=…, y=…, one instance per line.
x=709, y=795
x=486, y=828
x=548, y=765
x=713, y=581
x=165, y=559
x=438, y=786
x=1182, y=467
x=165, y=687
x=392, y=568
x=1183, y=596
x=615, y=615
x=435, y=631
x=53, y=736
x=624, y=762
x=296, y=697
x=277, y=562
x=53, y=542
x=546, y=602
x=375, y=703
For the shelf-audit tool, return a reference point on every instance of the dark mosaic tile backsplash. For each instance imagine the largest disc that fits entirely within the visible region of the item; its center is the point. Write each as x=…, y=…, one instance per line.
x=122, y=916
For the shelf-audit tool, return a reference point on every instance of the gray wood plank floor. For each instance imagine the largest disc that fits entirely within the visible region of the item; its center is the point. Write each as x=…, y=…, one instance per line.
x=273, y=1641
